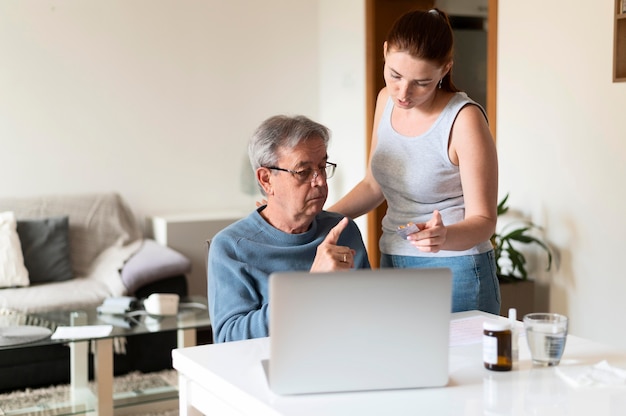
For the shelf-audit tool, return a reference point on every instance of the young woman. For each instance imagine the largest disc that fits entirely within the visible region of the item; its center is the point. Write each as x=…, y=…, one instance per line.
x=434, y=161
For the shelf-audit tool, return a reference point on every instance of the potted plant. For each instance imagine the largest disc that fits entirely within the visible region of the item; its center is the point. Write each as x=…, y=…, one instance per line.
x=516, y=289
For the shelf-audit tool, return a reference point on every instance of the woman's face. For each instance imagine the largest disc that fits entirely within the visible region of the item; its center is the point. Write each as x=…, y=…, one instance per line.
x=411, y=82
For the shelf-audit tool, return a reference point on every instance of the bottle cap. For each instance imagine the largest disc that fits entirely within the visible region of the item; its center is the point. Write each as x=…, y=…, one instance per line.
x=496, y=325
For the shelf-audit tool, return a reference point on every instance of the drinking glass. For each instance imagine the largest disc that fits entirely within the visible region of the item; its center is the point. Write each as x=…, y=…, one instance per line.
x=546, y=334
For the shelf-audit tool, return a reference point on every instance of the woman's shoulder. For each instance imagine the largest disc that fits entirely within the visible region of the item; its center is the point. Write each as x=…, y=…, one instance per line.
x=460, y=107
x=383, y=96
x=463, y=101
x=472, y=111
x=383, y=101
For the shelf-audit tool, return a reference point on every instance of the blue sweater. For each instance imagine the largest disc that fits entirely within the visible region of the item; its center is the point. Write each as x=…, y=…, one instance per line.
x=244, y=254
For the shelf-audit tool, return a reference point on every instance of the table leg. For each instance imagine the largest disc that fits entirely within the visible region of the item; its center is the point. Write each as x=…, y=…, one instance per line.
x=186, y=338
x=104, y=375
x=79, y=365
x=184, y=401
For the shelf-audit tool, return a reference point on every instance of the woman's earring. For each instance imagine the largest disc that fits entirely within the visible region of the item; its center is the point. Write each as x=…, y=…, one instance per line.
x=440, y=81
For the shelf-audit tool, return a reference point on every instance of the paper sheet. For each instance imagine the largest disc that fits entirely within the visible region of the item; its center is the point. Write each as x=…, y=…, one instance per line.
x=82, y=332
x=466, y=331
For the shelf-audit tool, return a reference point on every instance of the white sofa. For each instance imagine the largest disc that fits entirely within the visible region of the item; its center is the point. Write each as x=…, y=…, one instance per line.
x=102, y=239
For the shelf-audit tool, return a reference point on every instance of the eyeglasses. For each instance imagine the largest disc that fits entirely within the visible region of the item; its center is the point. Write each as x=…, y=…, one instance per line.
x=309, y=175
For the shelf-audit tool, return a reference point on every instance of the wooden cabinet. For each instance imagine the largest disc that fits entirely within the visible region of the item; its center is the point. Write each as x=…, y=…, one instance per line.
x=619, y=42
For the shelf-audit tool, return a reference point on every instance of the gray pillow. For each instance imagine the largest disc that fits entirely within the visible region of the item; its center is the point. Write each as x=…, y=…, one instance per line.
x=153, y=262
x=46, y=249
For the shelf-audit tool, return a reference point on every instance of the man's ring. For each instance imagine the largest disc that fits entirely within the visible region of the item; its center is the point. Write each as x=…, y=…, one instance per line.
x=345, y=258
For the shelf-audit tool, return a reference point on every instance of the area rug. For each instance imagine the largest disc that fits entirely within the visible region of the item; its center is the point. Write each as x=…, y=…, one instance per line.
x=39, y=401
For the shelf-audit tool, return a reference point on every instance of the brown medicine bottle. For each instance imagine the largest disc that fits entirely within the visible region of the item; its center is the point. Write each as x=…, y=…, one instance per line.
x=497, y=353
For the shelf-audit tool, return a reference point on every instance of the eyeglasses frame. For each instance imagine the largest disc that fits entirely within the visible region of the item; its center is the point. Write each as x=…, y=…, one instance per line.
x=313, y=176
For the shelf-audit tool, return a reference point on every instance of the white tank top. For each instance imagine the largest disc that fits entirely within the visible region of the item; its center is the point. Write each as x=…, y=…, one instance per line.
x=417, y=177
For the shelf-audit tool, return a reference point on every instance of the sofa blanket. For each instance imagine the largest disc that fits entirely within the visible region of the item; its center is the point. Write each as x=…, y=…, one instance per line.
x=103, y=236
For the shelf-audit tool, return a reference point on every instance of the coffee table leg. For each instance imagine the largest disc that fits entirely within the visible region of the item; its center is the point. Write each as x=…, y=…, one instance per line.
x=79, y=364
x=104, y=376
x=186, y=338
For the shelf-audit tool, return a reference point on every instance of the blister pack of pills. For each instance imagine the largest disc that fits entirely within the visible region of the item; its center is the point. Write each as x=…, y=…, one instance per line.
x=404, y=230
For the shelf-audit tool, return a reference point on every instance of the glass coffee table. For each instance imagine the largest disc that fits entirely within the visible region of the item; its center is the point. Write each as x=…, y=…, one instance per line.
x=20, y=330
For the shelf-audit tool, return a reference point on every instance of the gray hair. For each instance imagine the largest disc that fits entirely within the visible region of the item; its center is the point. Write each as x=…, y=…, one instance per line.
x=282, y=132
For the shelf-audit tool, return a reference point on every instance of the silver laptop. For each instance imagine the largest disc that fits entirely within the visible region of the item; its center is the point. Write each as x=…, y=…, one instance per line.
x=359, y=330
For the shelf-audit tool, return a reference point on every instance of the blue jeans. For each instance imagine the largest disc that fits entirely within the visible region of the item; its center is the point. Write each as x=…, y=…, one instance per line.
x=474, y=281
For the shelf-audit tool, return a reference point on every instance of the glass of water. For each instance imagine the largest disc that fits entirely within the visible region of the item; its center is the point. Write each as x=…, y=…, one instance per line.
x=546, y=334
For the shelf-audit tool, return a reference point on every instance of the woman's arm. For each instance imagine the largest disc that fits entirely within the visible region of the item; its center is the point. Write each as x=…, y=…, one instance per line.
x=366, y=195
x=472, y=148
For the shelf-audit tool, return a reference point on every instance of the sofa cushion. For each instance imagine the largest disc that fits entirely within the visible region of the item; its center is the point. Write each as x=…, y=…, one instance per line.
x=12, y=269
x=46, y=248
x=151, y=263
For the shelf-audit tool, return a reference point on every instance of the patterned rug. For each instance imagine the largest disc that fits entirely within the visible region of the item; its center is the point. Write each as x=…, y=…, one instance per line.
x=40, y=401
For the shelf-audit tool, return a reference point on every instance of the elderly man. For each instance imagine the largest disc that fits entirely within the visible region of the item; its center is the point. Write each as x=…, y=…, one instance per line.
x=290, y=232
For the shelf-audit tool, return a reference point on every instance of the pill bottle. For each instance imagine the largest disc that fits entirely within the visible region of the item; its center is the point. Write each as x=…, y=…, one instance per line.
x=497, y=354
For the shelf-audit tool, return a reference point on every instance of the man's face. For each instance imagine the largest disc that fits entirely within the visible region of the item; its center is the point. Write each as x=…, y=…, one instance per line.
x=299, y=198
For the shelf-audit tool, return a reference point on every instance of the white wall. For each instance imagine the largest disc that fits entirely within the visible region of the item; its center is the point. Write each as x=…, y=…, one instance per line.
x=562, y=151
x=155, y=99
x=342, y=92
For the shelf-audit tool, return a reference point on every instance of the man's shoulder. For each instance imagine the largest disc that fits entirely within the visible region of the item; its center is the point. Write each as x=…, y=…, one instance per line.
x=329, y=215
x=328, y=219
x=238, y=228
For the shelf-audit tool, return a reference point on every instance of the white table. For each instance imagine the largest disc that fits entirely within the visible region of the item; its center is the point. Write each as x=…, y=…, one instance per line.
x=228, y=379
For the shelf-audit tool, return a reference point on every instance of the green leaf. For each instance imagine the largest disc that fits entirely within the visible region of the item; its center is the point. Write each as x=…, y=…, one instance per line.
x=517, y=233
